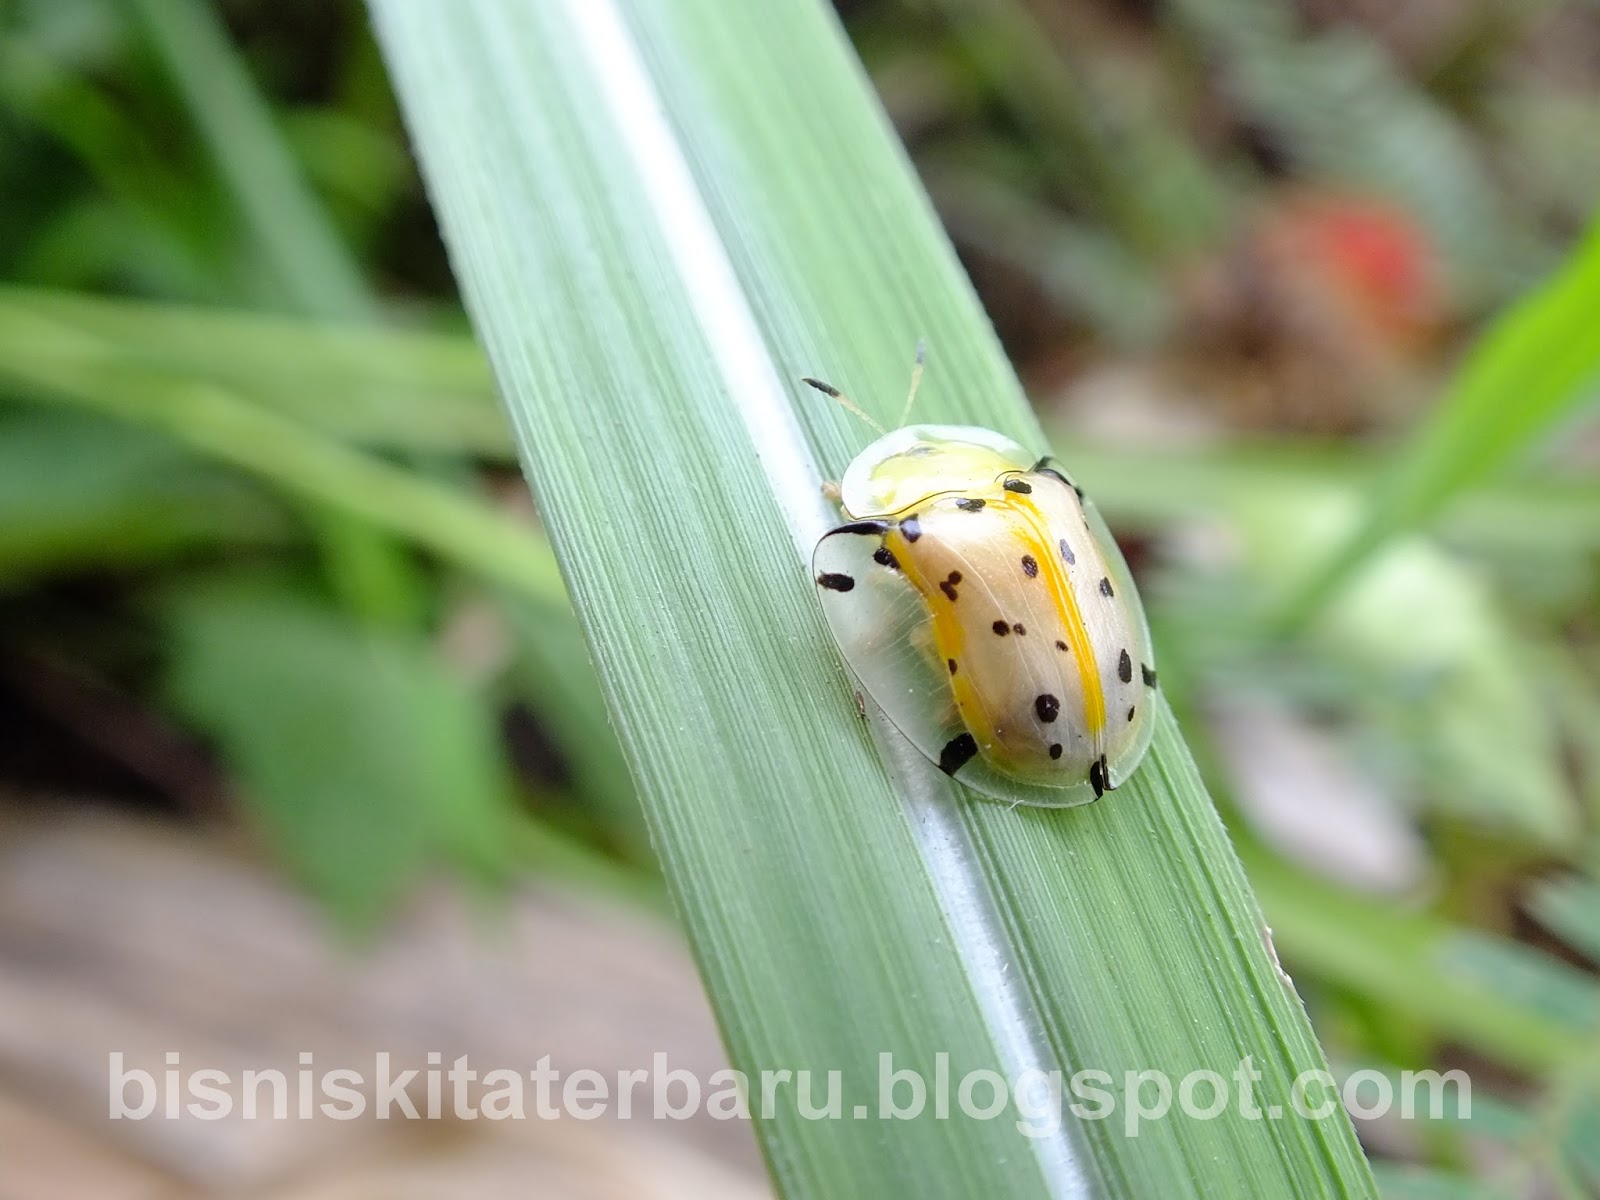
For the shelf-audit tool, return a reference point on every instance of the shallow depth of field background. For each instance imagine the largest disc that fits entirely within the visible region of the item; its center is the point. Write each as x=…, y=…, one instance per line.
x=272, y=782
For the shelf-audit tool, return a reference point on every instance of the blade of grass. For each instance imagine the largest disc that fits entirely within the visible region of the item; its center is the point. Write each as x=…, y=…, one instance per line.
x=315, y=268
x=393, y=389
x=225, y=426
x=80, y=493
x=1535, y=368
x=298, y=243
x=660, y=217
x=153, y=200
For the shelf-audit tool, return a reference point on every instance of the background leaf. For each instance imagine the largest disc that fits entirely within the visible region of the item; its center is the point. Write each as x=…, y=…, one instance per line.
x=360, y=754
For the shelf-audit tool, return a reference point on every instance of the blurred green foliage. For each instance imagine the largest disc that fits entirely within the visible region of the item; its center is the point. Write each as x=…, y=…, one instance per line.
x=253, y=480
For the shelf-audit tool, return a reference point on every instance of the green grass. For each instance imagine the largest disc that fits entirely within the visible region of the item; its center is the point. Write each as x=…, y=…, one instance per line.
x=649, y=282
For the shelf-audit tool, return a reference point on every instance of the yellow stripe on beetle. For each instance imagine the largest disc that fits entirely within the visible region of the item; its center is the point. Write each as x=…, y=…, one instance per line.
x=1071, y=620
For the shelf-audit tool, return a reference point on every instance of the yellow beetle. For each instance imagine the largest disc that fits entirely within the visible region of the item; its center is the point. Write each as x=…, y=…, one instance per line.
x=982, y=603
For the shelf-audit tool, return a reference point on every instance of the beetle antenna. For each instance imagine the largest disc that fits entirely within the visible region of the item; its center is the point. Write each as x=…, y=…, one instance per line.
x=916, y=381
x=849, y=405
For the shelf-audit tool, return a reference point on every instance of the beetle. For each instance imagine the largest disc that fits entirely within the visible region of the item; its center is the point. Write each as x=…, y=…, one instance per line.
x=975, y=592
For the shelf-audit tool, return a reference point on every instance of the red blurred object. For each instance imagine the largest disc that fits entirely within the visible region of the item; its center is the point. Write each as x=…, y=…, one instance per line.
x=1323, y=316
x=1359, y=267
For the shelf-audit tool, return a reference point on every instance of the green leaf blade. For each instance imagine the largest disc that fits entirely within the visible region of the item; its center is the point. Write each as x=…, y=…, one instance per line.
x=648, y=291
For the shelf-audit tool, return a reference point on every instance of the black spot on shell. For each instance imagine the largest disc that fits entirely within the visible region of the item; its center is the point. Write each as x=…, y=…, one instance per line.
x=1061, y=646
x=1149, y=674
x=835, y=582
x=1047, y=706
x=948, y=585
x=1019, y=630
x=1019, y=487
x=951, y=663
x=971, y=503
x=957, y=752
x=1001, y=628
x=1124, y=667
x=1030, y=566
x=1067, y=556
x=1105, y=587
x=885, y=557
x=1055, y=749
x=1131, y=709
x=1098, y=779
x=864, y=527
x=911, y=527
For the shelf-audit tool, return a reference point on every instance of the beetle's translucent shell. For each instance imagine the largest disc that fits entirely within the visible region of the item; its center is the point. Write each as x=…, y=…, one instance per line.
x=983, y=605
